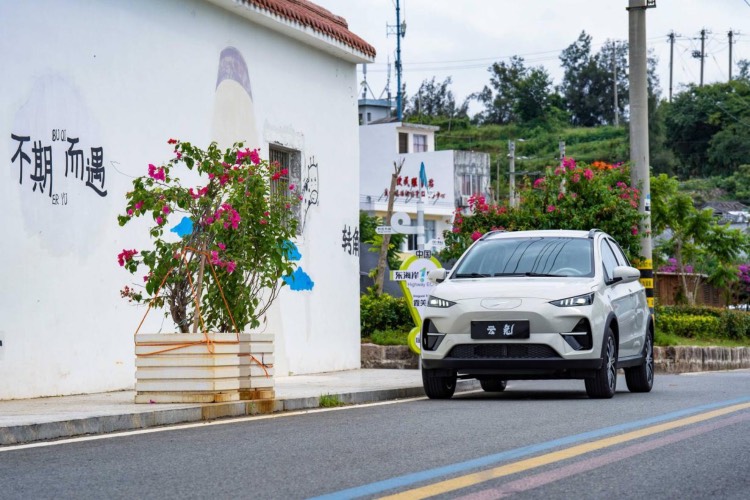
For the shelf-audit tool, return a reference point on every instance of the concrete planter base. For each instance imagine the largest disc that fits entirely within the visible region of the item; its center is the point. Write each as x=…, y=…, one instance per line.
x=193, y=368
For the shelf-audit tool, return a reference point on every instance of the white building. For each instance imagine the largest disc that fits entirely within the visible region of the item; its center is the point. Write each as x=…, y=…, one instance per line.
x=454, y=176
x=115, y=80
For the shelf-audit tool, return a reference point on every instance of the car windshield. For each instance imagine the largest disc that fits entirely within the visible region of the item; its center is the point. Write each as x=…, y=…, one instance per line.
x=539, y=256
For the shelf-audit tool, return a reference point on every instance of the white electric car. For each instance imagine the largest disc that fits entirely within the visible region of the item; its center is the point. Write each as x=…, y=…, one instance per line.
x=538, y=305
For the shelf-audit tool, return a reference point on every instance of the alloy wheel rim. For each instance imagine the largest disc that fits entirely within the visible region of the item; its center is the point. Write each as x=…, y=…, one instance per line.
x=649, y=360
x=611, y=370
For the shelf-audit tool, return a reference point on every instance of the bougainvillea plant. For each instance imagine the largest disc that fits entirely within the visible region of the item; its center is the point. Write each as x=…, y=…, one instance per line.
x=228, y=237
x=569, y=196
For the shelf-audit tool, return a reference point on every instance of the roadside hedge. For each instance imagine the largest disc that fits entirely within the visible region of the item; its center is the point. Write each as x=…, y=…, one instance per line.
x=383, y=312
x=701, y=322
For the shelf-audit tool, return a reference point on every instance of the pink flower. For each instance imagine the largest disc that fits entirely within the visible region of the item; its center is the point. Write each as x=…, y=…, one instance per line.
x=156, y=173
x=222, y=246
x=254, y=157
x=456, y=230
x=263, y=221
x=138, y=205
x=551, y=208
x=172, y=141
x=179, y=155
x=159, y=220
x=476, y=235
x=569, y=163
x=231, y=265
x=574, y=195
x=291, y=187
x=588, y=174
x=125, y=256
x=560, y=196
x=634, y=230
x=214, y=258
x=539, y=182
x=130, y=212
x=576, y=178
x=165, y=209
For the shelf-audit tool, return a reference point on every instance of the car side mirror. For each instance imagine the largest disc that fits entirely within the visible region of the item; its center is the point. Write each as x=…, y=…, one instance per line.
x=437, y=275
x=625, y=274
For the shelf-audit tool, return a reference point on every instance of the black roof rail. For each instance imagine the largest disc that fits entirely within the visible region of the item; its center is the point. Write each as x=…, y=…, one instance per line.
x=593, y=232
x=490, y=233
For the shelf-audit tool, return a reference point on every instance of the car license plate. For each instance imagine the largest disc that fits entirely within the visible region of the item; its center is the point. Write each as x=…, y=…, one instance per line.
x=499, y=330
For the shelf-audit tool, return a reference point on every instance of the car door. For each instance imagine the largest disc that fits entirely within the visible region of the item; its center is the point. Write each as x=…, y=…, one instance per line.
x=636, y=333
x=620, y=296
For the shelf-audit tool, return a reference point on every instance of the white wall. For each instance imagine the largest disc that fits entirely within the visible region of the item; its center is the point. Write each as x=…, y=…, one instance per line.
x=126, y=76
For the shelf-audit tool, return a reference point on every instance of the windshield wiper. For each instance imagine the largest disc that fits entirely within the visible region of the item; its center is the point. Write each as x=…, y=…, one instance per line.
x=472, y=275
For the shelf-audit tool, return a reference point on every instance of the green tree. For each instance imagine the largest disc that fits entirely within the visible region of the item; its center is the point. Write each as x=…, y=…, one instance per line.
x=703, y=249
x=709, y=128
x=516, y=94
x=435, y=99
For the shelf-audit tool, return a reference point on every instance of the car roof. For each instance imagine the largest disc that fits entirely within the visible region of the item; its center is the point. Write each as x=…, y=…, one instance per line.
x=541, y=233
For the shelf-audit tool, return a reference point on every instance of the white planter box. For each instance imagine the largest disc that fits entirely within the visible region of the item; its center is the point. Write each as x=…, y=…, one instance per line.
x=186, y=368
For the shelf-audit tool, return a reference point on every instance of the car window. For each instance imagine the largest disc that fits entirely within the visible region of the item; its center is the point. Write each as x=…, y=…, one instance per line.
x=619, y=254
x=609, y=261
x=556, y=256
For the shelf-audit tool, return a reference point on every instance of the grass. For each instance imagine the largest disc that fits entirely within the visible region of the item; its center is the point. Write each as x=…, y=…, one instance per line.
x=330, y=401
x=389, y=337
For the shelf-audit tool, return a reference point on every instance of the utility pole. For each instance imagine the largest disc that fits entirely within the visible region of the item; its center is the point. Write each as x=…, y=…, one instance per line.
x=512, y=171
x=703, y=52
x=671, y=62
x=614, y=79
x=400, y=33
x=639, y=156
x=731, y=35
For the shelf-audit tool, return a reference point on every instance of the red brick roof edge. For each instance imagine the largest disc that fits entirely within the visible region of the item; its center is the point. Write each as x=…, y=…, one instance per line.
x=316, y=17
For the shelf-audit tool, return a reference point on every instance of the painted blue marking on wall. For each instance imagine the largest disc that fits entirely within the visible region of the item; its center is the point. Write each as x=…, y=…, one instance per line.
x=299, y=280
x=184, y=228
x=292, y=253
x=417, y=477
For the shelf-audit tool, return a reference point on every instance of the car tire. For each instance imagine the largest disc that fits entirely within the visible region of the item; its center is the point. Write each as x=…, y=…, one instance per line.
x=641, y=378
x=438, y=386
x=604, y=383
x=493, y=385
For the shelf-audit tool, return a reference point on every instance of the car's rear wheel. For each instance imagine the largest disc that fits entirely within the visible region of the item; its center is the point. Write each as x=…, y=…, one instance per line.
x=603, y=385
x=438, y=385
x=641, y=378
x=493, y=385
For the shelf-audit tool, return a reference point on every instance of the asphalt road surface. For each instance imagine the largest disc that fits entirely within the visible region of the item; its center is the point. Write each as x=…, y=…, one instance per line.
x=688, y=438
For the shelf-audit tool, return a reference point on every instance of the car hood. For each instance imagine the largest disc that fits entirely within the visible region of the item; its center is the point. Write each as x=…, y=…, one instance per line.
x=515, y=287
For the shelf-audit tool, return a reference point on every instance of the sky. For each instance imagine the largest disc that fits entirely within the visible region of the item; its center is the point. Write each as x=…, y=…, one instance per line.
x=462, y=38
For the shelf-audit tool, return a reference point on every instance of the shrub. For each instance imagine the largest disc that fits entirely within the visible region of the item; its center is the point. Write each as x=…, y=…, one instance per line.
x=689, y=326
x=383, y=312
x=734, y=325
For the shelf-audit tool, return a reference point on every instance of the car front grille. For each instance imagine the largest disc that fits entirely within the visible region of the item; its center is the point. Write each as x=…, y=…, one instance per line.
x=502, y=351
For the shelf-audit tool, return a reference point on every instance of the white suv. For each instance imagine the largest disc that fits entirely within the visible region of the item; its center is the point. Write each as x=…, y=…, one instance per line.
x=538, y=305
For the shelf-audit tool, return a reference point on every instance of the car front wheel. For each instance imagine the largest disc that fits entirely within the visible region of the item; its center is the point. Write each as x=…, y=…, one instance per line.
x=604, y=383
x=641, y=378
x=437, y=385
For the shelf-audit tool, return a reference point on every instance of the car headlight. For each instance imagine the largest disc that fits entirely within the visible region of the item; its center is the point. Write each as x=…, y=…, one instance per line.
x=433, y=301
x=580, y=300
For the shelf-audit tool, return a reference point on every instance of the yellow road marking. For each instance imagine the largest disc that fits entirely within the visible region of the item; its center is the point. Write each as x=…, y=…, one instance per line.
x=531, y=463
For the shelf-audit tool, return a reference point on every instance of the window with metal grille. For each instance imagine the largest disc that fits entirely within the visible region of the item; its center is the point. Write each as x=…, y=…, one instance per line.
x=291, y=160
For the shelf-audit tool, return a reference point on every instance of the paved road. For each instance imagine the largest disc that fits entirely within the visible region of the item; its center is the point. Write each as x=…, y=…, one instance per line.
x=689, y=438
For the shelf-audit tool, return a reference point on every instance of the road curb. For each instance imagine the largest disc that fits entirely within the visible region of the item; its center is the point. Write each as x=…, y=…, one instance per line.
x=48, y=431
